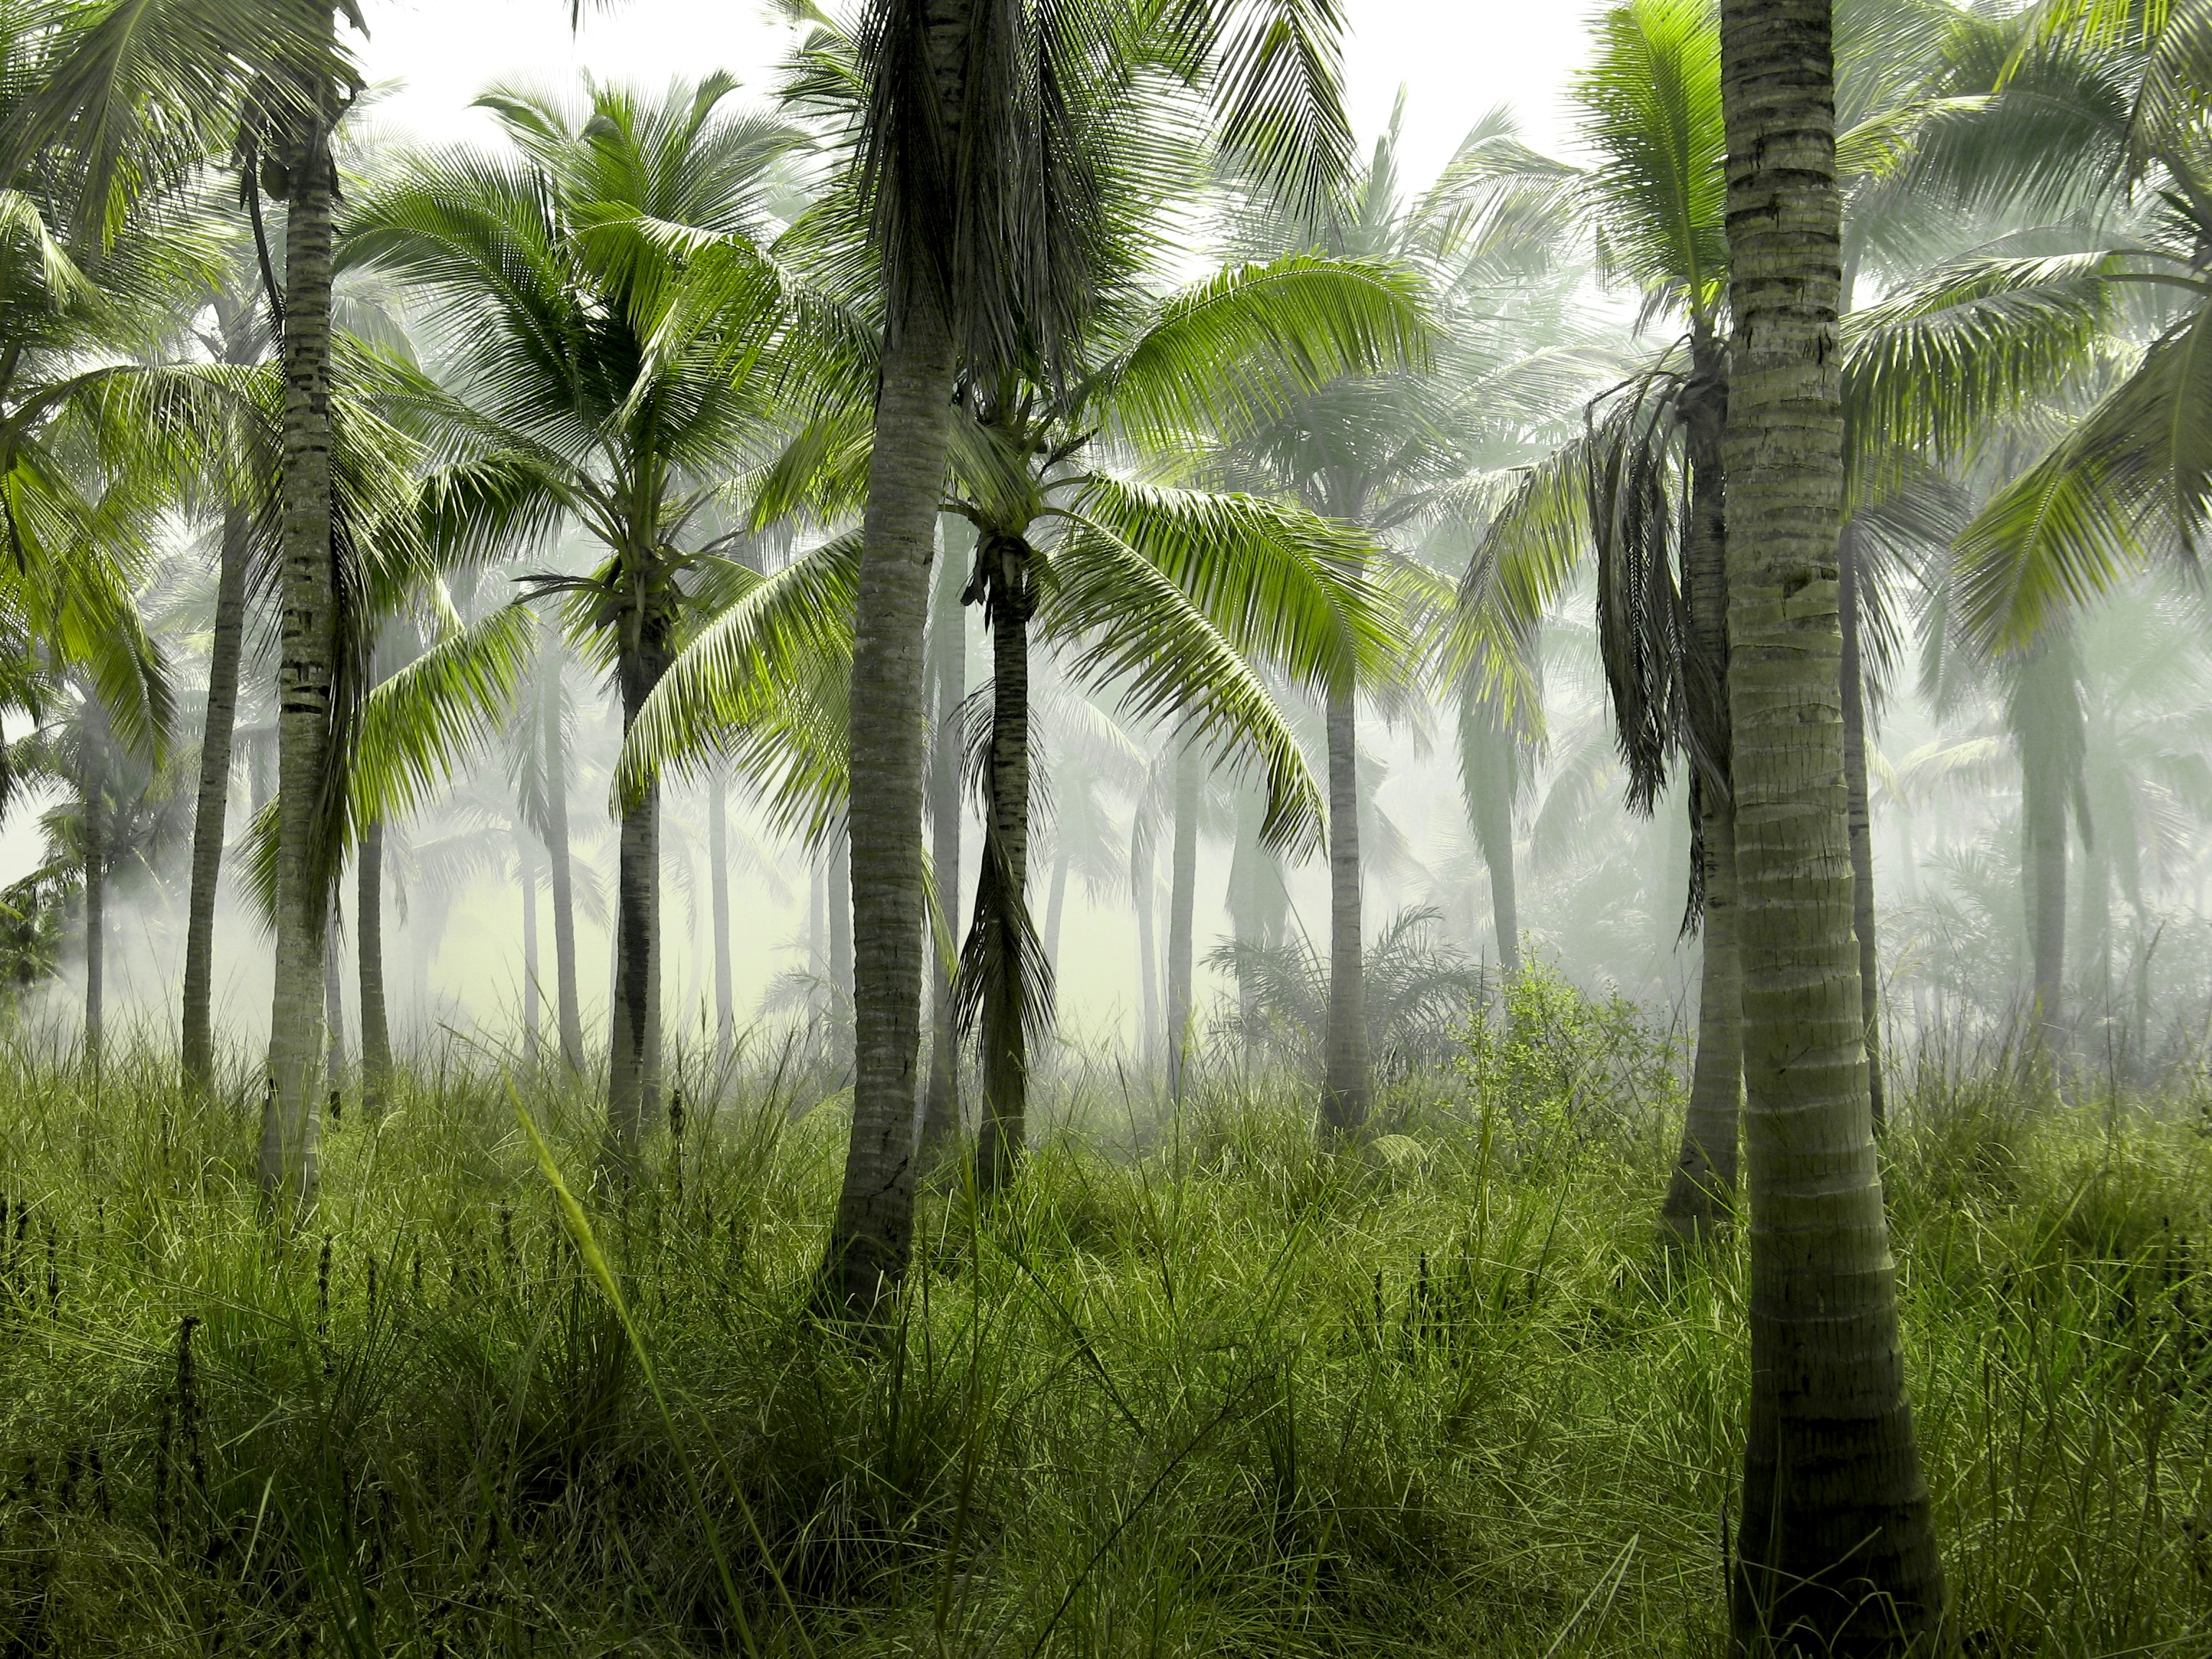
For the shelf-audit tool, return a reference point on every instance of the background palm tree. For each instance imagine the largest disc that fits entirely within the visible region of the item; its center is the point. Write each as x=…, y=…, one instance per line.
x=584, y=385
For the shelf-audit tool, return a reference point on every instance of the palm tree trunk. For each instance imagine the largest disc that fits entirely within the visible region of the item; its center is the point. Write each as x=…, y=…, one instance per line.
x=560, y=872
x=872, y=1237
x=307, y=678
x=1488, y=782
x=838, y=908
x=94, y=787
x=2049, y=754
x=1002, y=948
x=1055, y=905
x=1836, y=1544
x=1182, y=892
x=1141, y=886
x=217, y=743
x=948, y=671
x=333, y=999
x=532, y=1016
x=368, y=943
x=1700, y=1190
x=1345, y=1084
x=718, y=885
x=1860, y=810
x=633, y=1051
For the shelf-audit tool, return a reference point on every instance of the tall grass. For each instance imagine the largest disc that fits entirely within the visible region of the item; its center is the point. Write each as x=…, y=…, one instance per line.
x=1198, y=1389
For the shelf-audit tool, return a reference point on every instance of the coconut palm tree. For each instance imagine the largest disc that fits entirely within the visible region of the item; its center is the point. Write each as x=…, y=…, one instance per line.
x=1836, y=1545
x=586, y=385
x=1391, y=453
x=1163, y=595
x=975, y=138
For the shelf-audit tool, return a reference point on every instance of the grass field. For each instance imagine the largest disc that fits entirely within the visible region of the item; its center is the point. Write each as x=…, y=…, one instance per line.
x=1193, y=1387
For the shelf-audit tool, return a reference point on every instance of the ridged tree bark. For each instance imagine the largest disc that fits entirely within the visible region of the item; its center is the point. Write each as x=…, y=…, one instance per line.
x=368, y=944
x=633, y=1046
x=1849, y=555
x=1182, y=894
x=560, y=873
x=948, y=676
x=1346, y=1084
x=1700, y=1191
x=718, y=891
x=1836, y=1542
x=306, y=685
x=212, y=806
x=1003, y=938
x=872, y=1236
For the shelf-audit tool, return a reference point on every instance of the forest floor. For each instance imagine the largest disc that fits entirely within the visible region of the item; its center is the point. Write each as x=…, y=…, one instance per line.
x=1193, y=1386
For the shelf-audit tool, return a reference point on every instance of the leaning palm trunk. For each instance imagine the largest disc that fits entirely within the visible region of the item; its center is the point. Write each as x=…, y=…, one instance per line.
x=1861, y=813
x=1835, y=1546
x=368, y=942
x=633, y=1054
x=1700, y=1190
x=872, y=1234
x=1182, y=892
x=213, y=805
x=1000, y=967
x=1345, y=1085
x=559, y=871
x=948, y=645
x=306, y=683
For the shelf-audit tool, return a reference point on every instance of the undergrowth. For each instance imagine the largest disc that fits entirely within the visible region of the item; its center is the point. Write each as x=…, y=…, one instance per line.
x=1194, y=1386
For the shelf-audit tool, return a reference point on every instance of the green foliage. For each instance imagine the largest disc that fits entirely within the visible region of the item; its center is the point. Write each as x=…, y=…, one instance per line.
x=1564, y=1066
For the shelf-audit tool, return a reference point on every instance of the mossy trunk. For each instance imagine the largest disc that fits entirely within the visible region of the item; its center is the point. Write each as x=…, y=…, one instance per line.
x=211, y=810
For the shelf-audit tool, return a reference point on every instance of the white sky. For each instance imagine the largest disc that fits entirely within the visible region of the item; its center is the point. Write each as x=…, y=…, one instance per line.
x=1456, y=59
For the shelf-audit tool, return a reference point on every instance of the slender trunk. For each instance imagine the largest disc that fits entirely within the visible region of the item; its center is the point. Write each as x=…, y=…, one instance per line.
x=1182, y=892
x=307, y=678
x=2046, y=721
x=634, y=1054
x=838, y=908
x=333, y=998
x=1141, y=886
x=872, y=1236
x=1488, y=781
x=1001, y=955
x=1861, y=813
x=213, y=807
x=560, y=872
x=1836, y=1543
x=1699, y=1193
x=718, y=885
x=527, y=871
x=94, y=787
x=1055, y=905
x=948, y=671
x=1346, y=1085
x=1244, y=873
